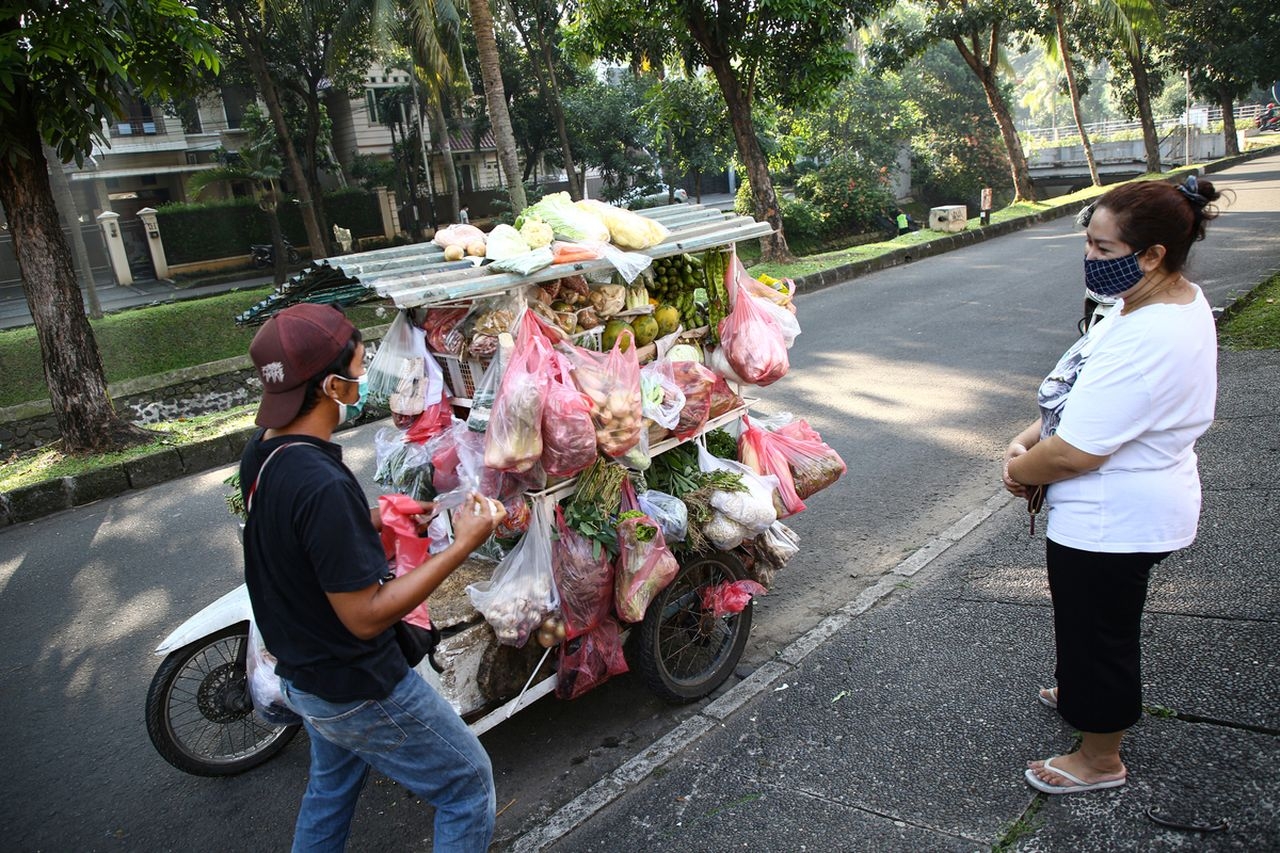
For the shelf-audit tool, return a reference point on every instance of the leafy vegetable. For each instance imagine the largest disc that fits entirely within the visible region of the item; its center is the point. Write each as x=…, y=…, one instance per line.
x=720, y=443
x=644, y=532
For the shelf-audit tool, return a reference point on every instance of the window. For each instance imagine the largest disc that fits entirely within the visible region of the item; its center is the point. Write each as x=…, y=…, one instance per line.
x=235, y=99
x=371, y=105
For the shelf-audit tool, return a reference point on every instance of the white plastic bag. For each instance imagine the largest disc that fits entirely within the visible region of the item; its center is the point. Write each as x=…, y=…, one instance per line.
x=522, y=593
x=269, y=703
x=754, y=509
x=668, y=510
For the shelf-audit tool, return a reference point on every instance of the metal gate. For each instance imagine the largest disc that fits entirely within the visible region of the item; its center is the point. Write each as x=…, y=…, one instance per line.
x=134, y=235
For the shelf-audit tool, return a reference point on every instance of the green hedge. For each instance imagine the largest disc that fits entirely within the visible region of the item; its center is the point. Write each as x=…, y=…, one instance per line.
x=223, y=229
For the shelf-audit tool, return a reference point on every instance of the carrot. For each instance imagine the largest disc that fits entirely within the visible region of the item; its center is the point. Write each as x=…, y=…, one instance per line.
x=569, y=253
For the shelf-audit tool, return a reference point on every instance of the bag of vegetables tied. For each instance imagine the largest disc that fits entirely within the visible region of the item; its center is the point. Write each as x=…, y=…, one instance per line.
x=584, y=579
x=513, y=439
x=645, y=565
x=612, y=381
x=521, y=594
x=568, y=435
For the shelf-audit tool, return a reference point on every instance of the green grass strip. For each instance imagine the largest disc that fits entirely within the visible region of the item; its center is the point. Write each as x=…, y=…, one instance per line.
x=1257, y=324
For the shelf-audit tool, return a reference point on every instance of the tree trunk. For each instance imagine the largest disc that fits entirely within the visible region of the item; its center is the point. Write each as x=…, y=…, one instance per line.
x=1022, y=188
x=250, y=37
x=1229, y=122
x=66, y=203
x=496, y=98
x=1142, y=94
x=557, y=113
x=1064, y=50
x=311, y=165
x=446, y=157
x=773, y=248
x=72, y=364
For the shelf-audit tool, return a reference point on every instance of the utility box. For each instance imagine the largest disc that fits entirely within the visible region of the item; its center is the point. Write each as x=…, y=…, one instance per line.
x=951, y=217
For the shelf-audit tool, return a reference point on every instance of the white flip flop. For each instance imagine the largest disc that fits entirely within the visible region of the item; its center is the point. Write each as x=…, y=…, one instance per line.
x=1077, y=786
x=1050, y=701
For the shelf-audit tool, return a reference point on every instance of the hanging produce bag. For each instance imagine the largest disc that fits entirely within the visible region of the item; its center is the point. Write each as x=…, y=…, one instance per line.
x=645, y=565
x=803, y=463
x=514, y=434
x=612, y=381
x=521, y=593
x=739, y=515
x=590, y=660
x=753, y=343
x=696, y=384
x=584, y=579
x=568, y=434
x=669, y=511
x=663, y=399
x=269, y=704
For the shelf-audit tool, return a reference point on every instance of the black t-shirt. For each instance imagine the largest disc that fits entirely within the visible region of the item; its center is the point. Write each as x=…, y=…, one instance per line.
x=309, y=533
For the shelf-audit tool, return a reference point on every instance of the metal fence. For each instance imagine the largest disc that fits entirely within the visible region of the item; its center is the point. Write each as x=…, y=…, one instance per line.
x=1066, y=133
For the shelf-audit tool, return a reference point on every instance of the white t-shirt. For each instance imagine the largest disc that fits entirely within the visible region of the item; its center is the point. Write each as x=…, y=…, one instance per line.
x=1143, y=391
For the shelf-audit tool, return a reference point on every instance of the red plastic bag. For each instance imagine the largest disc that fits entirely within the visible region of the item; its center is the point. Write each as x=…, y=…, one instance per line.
x=584, y=581
x=697, y=382
x=513, y=439
x=612, y=381
x=590, y=660
x=803, y=463
x=729, y=597
x=645, y=565
x=753, y=343
x=434, y=420
x=568, y=434
x=723, y=398
x=403, y=545
x=440, y=326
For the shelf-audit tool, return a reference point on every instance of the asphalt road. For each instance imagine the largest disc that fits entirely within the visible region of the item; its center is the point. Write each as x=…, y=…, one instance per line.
x=918, y=375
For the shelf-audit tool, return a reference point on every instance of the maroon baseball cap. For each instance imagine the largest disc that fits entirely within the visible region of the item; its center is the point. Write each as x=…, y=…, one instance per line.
x=291, y=349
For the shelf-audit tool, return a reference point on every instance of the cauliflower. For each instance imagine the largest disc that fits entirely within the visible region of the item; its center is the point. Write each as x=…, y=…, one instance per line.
x=536, y=233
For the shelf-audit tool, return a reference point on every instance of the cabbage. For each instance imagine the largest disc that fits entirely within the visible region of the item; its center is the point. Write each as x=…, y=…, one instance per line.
x=505, y=242
x=566, y=220
x=684, y=352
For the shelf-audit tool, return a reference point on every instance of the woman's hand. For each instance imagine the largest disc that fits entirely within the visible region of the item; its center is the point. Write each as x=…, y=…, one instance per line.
x=1013, y=451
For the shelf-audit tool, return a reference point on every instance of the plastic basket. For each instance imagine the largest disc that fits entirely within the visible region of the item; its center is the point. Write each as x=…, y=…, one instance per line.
x=462, y=375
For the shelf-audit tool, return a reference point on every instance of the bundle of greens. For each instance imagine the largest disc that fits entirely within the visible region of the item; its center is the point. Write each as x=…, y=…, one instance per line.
x=592, y=510
x=676, y=472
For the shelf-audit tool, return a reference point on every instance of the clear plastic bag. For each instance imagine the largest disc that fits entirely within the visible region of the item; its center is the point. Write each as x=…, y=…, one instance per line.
x=403, y=465
x=482, y=399
x=628, y=264
x=773, y=549
x=269, y=703
x=663, y=399
x=669, y=511
x=612, y=381
x=525, y=264
x=696, y=384
x=590, y=660
x=584, y=580
x=399, y=374
x=513, y=439
x=645, y=566
x=522, y=593
x=754, y=344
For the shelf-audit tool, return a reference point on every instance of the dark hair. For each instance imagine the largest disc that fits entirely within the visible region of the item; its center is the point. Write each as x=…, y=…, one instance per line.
x=1172, y=215
x=339, y=365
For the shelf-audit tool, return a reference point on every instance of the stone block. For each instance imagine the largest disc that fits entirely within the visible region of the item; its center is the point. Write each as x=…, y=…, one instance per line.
x=96, y=485
x=37, y=500
x=154, y=468
x=949, y=217
x=204, y=455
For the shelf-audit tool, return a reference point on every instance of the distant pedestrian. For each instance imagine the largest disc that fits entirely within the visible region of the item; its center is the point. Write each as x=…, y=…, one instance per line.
x=464, y=215
x=904, y=223
x=1115, y=446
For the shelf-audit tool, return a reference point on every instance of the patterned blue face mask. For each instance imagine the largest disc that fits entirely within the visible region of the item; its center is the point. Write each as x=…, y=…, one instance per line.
x=1112, y=276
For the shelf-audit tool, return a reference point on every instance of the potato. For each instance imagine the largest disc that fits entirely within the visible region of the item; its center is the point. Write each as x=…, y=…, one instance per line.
x=454, y=253
x=476, y=249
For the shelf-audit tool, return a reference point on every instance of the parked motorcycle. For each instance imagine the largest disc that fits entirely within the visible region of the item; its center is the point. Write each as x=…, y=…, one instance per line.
x=264, y=254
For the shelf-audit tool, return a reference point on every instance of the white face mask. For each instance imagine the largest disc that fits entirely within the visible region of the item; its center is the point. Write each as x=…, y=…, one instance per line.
x=351, y=412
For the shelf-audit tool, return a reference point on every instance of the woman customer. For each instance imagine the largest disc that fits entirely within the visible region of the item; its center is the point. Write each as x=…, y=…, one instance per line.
x=1115, y=446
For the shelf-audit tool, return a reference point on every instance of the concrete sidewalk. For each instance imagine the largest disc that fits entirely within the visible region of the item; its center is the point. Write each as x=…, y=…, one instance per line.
x=904, y=721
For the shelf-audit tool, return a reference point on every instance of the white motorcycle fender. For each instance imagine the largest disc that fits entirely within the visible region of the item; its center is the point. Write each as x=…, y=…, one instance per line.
x=226, y=611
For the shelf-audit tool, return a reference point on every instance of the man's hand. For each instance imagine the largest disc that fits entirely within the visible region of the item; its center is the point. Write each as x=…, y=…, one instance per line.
x=476, y=520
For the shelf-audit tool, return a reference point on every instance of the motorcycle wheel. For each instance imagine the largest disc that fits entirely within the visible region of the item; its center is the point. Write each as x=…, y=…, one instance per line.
x=293, y=256
x=199, y=714
x=260, y=260
x=681, y=651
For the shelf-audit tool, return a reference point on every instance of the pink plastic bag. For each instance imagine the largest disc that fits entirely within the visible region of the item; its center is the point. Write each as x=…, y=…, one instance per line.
x=403, y=545
x=513, y=439
x=803, y=463
x=737, y=274
x=590, y=660
x=612, y=381
x=568, y=434
x=645, y=565
x=583, y=580
x=697, y=383
x=753, y=344
x=730, y=597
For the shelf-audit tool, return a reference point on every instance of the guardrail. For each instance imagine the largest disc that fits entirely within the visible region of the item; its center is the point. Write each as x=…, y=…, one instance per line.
x=1067, y=134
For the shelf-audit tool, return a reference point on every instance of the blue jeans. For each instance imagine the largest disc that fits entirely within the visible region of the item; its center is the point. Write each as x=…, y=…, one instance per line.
x=414, y=737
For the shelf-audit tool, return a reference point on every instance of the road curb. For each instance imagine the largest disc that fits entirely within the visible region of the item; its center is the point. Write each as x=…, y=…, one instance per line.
x=640, y=766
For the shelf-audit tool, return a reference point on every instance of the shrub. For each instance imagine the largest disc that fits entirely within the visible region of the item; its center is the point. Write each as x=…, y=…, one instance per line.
x=802, y=221
x=850, y=193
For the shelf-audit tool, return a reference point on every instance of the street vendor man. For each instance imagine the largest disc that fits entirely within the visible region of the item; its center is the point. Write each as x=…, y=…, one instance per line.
x=315, y=569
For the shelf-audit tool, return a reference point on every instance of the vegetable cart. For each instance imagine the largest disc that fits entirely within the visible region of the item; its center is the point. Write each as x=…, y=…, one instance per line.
x=682, y=647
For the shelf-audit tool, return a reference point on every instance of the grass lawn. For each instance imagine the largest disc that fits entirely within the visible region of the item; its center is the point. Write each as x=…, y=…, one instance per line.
x=1257, y=325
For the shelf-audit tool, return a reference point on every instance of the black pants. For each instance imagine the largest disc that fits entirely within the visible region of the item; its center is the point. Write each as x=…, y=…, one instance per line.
x=1097, y=624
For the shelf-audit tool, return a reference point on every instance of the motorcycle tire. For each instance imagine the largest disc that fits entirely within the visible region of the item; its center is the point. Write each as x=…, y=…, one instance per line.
x=680, y=650
x=293, y=256
x=199, y=713
x=260, y=260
